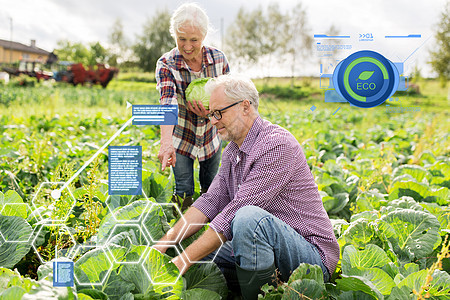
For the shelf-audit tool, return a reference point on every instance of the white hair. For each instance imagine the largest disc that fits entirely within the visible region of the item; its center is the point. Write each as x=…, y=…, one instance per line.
x=191, y=14
x=236, y=88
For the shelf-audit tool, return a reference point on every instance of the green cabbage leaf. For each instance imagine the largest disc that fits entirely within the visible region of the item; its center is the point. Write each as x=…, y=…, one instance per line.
x=196, y=91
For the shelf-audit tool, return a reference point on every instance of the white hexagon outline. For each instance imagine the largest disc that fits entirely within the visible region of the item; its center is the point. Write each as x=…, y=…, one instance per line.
x=1, y=234
x=148, y=275
x=125, y=262
x=39, y=230
x=102, y=248
x=200, y=261
x=120, y=220
x=181, y=218
x=70, y=193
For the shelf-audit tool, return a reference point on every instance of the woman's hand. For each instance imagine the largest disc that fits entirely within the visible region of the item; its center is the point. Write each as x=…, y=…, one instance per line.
x=197, y=108
x=167, y=155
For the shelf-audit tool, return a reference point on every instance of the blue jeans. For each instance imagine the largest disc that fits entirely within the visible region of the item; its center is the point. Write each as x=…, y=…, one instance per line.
x=184, y=173
x=261, y=239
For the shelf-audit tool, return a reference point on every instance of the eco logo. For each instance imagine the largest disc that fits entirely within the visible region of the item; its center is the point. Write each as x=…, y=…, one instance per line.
x=366, y=79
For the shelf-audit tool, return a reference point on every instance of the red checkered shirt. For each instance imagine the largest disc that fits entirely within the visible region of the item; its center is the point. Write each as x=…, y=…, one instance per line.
x=270, y=171
x=194, y=136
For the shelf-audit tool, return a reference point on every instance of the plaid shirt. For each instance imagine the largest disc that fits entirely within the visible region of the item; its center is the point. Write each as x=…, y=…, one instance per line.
x=270, y=171
x=194, y=136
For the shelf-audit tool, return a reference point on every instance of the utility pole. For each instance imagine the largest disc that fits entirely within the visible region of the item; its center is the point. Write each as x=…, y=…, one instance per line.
x=10, y=39
x=221, y=33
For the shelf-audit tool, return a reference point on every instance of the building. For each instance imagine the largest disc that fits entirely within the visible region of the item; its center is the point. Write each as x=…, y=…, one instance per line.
x=11, y=52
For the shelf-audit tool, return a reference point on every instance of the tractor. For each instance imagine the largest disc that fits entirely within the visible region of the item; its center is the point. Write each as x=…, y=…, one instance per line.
x=32, y=68
x=74, y=73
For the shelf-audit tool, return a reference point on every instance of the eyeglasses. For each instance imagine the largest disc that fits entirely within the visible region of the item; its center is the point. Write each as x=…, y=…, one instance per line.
x=218, y=113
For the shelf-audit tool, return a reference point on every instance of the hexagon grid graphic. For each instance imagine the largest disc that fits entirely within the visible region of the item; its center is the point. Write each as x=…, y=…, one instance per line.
x=151, y=221
x=149, y=275
x=126, y=234
x=60, y=208
x=201, y=261
x=115, y=201
x=61, y=235
x=82, y=249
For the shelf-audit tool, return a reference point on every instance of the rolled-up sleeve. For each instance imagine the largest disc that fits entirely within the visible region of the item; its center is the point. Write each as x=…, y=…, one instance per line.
x=268, y=176
x=165, y=84
x=226, y=66
x=217, y=197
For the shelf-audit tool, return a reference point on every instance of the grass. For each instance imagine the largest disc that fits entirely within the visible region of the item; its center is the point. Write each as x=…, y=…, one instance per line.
x=148, y=77
x=136, y=88
x=54, y=127
x=17, y=105
x=48, y=101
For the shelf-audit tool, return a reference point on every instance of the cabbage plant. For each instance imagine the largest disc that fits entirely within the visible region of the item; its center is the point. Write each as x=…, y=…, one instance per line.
x=196, y=91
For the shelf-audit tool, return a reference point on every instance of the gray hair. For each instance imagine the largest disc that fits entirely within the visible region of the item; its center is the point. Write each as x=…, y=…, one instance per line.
x=236, y=88
x=192, y=14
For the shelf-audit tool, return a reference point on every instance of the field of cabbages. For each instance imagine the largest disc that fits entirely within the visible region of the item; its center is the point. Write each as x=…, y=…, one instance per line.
x=383, y=173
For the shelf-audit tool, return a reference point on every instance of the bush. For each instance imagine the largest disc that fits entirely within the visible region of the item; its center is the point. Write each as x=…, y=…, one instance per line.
x=286, y=92
x=23, y=80
x=413, y=90
x=137, y=77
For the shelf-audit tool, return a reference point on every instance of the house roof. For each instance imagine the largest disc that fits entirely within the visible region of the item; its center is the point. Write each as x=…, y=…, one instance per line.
x=22, y=47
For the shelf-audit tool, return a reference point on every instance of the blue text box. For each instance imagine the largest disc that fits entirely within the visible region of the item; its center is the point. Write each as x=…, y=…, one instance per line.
x=63, y=273
x=125, y=170
x=155, y=114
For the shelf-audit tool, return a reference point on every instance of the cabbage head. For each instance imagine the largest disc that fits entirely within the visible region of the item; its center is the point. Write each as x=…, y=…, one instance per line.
x=196, y=91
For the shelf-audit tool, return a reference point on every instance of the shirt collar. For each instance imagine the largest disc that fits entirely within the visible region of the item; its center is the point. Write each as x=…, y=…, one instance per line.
x=206, y=59
x=252, y=134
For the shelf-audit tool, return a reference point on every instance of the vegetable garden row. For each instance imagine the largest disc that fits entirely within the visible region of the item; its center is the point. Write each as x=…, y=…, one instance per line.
x=384, y=180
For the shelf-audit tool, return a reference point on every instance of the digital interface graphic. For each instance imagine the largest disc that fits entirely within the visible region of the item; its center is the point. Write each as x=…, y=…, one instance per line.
x=125, y=227
x=365, y=69
x=365, y=79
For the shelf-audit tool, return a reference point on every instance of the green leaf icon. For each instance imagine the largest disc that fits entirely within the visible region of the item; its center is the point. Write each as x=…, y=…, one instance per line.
x=365, y=75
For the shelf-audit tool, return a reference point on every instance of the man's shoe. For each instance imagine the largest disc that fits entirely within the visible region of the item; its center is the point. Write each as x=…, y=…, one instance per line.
x=187, y=202
x=252, y=281
x=182, y=203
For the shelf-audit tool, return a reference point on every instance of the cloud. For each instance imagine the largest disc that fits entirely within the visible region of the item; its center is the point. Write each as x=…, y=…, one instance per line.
x=48, y=21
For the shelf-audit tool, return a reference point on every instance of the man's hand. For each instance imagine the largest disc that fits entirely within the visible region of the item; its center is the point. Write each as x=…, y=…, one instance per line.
x=204, y=245
x=182, y=265
x=197, y=108
x=161, y=247
x=167, y=155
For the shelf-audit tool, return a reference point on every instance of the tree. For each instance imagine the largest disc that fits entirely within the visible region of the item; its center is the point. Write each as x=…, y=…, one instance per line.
x=440, y=58
x=78, y=53
x=98, y=54
x=118, y=44
x=297, y=36
x=154, y=41
x=273, y=41
x=256, y=37
x=73, y=52
x=243, y=38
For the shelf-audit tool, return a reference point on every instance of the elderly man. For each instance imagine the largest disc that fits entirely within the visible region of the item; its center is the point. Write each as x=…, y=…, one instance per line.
x=264, y=198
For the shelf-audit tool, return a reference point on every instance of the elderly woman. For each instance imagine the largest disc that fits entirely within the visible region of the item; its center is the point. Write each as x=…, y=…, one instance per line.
x=194, y=136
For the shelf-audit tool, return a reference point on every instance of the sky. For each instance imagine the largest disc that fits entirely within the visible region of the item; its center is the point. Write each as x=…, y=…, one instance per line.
x=48, y=21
